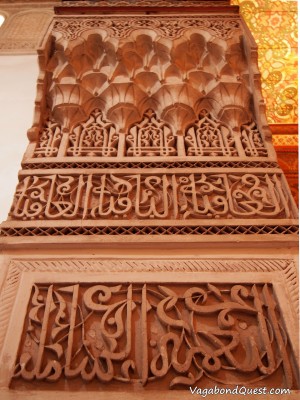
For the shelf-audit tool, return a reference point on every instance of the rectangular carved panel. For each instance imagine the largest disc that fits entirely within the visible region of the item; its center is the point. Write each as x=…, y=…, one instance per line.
x=162, y=336
x=177, y=196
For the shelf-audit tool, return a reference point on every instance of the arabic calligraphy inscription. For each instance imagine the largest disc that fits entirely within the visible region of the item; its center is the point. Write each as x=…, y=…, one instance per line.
x=176, y=335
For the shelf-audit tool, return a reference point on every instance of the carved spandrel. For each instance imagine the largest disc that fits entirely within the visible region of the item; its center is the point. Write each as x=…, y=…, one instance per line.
x=161, y=196
x=171, y=335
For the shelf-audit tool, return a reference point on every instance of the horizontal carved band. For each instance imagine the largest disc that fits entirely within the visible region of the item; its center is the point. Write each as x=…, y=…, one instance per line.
x=148, y=164
x=171, y=27
x=145, y=3
x=150, y=230
x=99, y=137
x=176, y=196
x=172, y=335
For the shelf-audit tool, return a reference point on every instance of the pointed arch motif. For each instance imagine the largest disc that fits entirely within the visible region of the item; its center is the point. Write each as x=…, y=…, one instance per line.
x=95, y=137
x=150, y=137
x=209, y=137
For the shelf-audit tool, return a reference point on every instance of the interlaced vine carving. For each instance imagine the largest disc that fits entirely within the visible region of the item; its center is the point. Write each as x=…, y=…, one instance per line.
x=208, y=137
x=222, y=26
x=143, y=3
x=95, y=137
x=151, y=137
x=49, y=140
x=252, y=141
x=186, y=333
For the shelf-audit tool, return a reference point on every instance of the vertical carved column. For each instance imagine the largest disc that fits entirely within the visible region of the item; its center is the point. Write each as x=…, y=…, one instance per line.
x=149, y=133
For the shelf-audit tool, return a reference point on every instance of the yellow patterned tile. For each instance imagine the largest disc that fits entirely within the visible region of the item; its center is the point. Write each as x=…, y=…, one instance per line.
x=274, y=27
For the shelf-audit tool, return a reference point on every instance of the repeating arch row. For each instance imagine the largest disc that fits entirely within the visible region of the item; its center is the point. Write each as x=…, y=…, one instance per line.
x=151, y=136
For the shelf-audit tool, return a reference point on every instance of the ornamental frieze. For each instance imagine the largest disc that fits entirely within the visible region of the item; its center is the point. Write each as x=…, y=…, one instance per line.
x=168, y=335
x=169, y=27
x=130, y=196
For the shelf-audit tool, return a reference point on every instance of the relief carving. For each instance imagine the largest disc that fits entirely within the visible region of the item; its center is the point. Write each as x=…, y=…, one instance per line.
x=222, y=26
x=49, y=140
x=170, y=335
x=159, y=196
x=151, y=137
x=125, y=77
x=208, y=137
x=142, y=3
x=252, y=141
x=195, y=231
x=154, y=129
x=150, y=92
x=114, y=164
x=173, y=78
x=95, y=137
x=285, y=268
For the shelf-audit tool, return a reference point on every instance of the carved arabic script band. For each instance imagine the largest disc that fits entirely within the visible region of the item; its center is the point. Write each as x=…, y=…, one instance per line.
x=176, y=334
x=146, y=196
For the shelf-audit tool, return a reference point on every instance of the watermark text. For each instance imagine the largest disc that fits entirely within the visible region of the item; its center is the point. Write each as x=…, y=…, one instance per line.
x=239, y=390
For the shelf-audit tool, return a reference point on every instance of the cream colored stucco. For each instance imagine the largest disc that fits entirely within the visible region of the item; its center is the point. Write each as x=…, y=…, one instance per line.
x=18, y=76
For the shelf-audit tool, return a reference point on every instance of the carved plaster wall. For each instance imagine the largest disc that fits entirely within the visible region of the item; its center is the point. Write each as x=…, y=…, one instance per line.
x=24, y=27
x=199, y=329
x=118, y=98
x=148, y=129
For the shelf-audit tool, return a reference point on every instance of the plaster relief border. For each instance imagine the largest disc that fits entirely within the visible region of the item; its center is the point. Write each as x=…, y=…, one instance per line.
x=280, y=272
x=171, y=27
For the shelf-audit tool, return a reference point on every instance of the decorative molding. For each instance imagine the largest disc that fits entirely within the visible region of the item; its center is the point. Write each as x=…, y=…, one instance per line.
x=146, y=230
x=285, y=140
x=220, y=26
x=49, y=164
x=143, y=3
x=284, y=129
